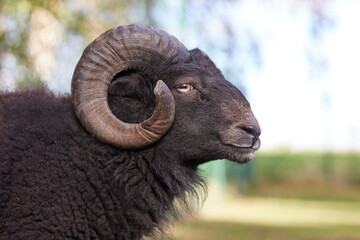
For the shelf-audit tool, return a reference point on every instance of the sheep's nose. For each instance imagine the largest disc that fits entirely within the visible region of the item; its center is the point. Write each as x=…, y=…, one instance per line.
x=252, y=130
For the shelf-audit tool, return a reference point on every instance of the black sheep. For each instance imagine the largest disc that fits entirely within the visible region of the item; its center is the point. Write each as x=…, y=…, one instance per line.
x=71, y=169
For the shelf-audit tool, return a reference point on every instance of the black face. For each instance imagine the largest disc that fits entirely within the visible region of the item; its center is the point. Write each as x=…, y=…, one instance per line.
x=213, y=119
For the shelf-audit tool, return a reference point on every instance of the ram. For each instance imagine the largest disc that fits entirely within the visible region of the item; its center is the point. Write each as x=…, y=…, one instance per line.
x=111, y=160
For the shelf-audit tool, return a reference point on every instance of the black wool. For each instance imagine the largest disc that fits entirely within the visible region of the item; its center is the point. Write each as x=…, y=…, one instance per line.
x=57, y=182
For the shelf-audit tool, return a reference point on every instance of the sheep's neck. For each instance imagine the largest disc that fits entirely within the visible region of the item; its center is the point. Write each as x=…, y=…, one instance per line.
x=153, y=188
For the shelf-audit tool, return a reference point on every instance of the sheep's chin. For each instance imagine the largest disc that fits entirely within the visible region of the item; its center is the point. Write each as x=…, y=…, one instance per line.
x=240, y=155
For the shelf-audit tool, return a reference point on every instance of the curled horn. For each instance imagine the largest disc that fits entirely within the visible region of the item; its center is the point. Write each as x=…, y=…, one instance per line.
x=119, y=49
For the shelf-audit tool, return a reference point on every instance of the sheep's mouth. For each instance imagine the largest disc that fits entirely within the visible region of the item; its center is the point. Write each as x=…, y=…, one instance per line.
x=241, y=153
x=255, y=145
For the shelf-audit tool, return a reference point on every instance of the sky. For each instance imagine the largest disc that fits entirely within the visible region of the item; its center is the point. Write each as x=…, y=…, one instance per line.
x=295, y=109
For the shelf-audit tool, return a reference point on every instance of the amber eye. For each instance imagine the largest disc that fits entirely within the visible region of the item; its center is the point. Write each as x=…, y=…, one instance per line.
x=183, y=88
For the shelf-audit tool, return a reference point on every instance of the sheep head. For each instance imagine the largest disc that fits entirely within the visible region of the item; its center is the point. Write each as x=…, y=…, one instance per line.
x=131, y=79
x=213, y=119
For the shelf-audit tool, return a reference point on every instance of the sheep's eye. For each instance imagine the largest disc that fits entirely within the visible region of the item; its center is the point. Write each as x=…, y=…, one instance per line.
x=183, y=88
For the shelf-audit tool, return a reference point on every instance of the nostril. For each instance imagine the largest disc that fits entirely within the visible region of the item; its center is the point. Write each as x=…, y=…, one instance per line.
x=252, y=130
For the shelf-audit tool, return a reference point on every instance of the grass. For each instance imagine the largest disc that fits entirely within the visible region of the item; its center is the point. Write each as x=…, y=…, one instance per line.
x=280, y=196
x=325, y=216
x=252, y=218
x=219, y=230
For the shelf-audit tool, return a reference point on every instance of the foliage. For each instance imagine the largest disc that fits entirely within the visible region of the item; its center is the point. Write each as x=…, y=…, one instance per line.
x=307, y=167
x=19, y=21
x=306, y=175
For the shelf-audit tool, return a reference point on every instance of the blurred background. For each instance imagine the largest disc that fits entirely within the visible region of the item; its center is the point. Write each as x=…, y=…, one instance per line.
x=297, y=62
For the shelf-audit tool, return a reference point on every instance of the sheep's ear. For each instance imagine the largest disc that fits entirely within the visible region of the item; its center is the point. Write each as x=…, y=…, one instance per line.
x=126, y=86
x=119, y=86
